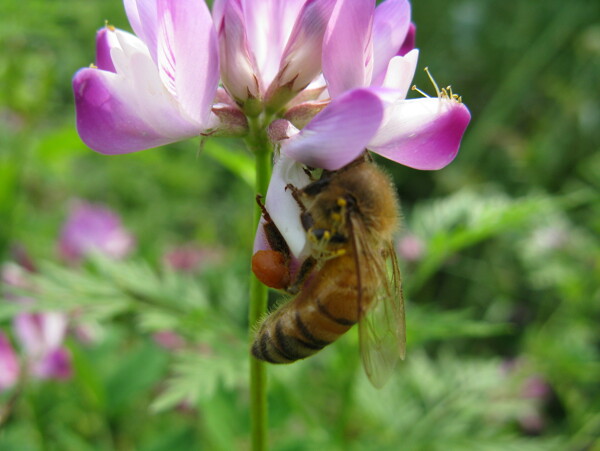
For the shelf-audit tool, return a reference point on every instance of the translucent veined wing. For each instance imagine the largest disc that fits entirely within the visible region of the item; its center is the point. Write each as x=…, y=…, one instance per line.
x=381, y=328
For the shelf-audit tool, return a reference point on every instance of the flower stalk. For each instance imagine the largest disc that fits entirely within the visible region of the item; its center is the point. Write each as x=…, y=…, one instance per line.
x=260, y=145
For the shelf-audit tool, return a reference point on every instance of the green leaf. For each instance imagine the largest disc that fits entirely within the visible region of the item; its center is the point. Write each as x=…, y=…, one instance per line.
x=196, y=376
x=427, y=324
x=142, y=369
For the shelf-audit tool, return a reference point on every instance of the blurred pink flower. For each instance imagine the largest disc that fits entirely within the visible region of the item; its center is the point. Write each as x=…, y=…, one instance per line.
x=532, y=387
x=41, y=337
x=94, y=228
x=539, y=391
x=411, y=248
x=9, y=364
x=169, y=340
x=185, y=258
x=190, y=257
x=535, y=387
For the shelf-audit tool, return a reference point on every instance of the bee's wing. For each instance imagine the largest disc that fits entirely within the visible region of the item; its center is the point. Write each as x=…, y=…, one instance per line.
x=382, y=331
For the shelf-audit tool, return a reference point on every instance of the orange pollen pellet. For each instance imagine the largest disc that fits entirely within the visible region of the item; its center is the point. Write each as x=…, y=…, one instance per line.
x=271, y=269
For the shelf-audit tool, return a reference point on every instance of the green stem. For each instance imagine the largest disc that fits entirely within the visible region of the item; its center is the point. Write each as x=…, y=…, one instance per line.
x=262, y=149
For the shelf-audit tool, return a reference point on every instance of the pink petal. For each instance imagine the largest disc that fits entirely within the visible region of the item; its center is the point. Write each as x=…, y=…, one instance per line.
x=339, y=133
x=105, y=41
x=9, y=364
x=269, y=24
x=301, y=61
x=348, y=46
x=409, y=41
x=188, y=55
x=238, y=68
x=390, y=27
x=218, y=8
x=422, y=133
x=142, y=15
x=109, y=115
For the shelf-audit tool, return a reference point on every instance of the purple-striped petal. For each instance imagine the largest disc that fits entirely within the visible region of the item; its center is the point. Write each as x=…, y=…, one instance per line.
x=348, y=46
x=390, y=27
x=339, y=133
x=422, y=133
x=143, y=18
x=269, y=24
x=188, y=55
x=237, y=65
x=301, y=61
x=9, y=364
x=218, y=11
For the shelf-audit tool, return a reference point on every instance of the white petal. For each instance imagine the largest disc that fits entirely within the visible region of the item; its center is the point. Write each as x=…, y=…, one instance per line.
x=401, y=72
x=282, y=207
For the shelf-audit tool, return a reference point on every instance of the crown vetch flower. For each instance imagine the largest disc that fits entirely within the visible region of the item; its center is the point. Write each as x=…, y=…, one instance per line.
x=366, y=47
x=269, y=50
x=154, y=88
x=93, y=228
x=367, y=57
x=41, y=335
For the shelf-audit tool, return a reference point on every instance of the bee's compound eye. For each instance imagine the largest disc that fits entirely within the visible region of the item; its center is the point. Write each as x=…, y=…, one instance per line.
x=271, y=269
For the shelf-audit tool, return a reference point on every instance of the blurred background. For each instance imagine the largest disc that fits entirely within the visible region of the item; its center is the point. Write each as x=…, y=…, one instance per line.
x=147, y=345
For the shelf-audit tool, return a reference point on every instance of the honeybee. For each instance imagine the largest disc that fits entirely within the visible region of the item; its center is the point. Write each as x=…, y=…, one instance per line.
x=351, y=275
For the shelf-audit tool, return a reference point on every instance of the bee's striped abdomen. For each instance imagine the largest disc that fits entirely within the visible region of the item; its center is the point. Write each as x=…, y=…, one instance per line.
x=324, y=310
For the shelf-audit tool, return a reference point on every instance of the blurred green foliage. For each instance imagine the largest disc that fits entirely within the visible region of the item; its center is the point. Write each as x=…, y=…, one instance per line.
x=506, y=290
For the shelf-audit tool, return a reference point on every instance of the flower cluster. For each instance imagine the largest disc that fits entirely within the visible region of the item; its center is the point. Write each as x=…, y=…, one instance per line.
x=41, y=335
x=329, y=78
